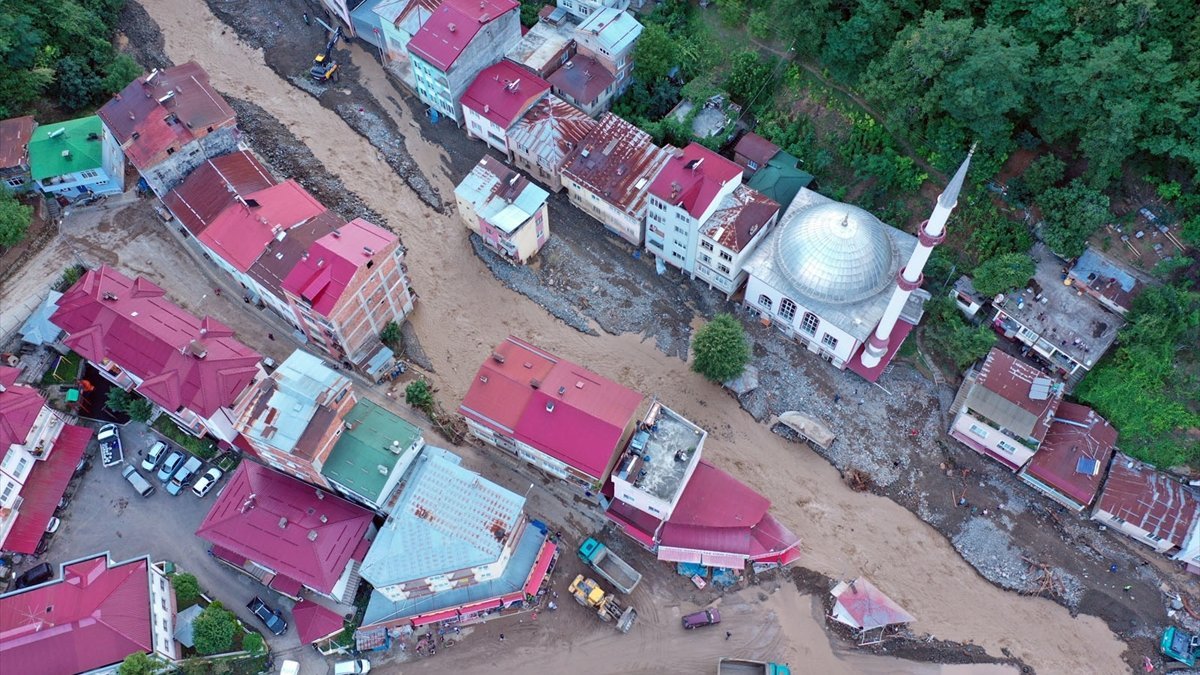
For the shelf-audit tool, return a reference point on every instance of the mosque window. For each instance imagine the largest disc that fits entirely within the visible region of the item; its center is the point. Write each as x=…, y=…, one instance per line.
x=809, y=323
x=787, y=309
x=764, y=301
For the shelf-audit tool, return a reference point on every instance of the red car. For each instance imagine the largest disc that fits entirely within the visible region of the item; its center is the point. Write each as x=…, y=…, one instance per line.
x=707, y=617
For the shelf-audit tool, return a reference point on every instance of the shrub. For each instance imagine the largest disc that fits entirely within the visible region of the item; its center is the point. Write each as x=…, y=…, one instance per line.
x=720, y=350
x=214, y=630
x=187, y=589
x=1003, y=273
x=419, y=395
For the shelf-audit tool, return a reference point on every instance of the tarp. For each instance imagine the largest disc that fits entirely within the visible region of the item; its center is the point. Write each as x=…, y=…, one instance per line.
x=809, y=427
x=44, y=488
x=860, y=605
x=545, y=559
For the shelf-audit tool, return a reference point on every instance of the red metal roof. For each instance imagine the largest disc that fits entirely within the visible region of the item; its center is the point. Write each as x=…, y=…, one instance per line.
x=639, y=525
x=286, y=525
x=554, y=405
x=14, y=141
x=95, y=615
x=241, y=232
x=740, y=217
x=143, y=108
x=716, y=512
x=867, y=606
x=107, y=315
x=435, y=617
x=216, y=185
x=19, y=408
x=1077, y=432
x=693, y=179
x=315, y=622
x=451, y=28
x=755, y=148
x=771, y=541
x=544, y=560
x=323, y=276
x=1148, y=499
x=855, y=364
x=504, y=92
x=550, y=131
x=282, y=256
x=584, y=81
x=44, y=488
x=616, y=162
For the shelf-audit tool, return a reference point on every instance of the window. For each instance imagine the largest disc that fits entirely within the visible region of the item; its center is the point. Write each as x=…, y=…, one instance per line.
x=8, y=489
x=90, y=173
x=764, y=301
x=677, y=254
x=15, y=181
x=680, y=230
x=21, y=465
x=725, y=255
x=682, y=215
x=723, y=268
x=979, y=431
x=829, y=341
x=705, y=258
x=655, y=243
x=809, y=323
x=787, y=309
x=656, y=217
x=706, y=245
x=1007, y=447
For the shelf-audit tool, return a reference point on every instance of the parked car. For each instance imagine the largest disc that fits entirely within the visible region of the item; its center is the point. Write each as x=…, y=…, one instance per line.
x=154, y=456
x=83, y=466
x=172, y=462
x=110, y=445
x=290, y=668
x=143, y=486
x=206, y=482
x=52, y=525
x=34, y=576
x=184, y=475
x=271, y=617
x=707, y=617
x=355, y=667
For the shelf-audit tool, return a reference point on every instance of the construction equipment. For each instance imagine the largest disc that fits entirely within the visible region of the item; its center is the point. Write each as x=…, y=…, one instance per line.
x=589, y=594
x=608, y=565
x=1181, y=646
x=324, y=68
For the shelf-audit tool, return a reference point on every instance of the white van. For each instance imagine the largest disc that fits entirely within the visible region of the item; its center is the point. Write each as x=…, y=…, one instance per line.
x=355, y=667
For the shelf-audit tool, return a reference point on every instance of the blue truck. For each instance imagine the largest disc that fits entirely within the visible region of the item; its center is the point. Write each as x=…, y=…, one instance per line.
x=608, y=565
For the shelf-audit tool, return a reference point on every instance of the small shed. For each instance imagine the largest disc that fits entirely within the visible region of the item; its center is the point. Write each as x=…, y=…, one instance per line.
x=810, y=428
x=184, y=622
x=866, y=609
x=968, y=300
x=315, y=622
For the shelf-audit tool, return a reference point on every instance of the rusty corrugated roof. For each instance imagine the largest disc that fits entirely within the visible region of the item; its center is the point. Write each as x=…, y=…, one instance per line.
x=616, y=161
x=550, y=132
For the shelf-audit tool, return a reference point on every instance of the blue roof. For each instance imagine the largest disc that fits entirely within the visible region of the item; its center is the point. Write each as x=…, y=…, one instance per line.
x=1092, y=264
x=513, y=580
x=446, y=518
x=37, y=329
x=301, y=385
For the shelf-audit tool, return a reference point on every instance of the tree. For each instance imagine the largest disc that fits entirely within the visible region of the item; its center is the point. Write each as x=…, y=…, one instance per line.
x=254, y=643
x=731, y=12
x=1043, y=173
x=76, y=82
x=751, y=78
x=139, y=663
x=654, y=54
x=720, y=350
x=214, y=629
x=139, y=409
x=118, y=400
x=391, y=335
x=1072, y=214
x=119, y=73
x=15, y=218
x=959, y=341
x=419, y=395
x=1003, y=273
x=187, y=589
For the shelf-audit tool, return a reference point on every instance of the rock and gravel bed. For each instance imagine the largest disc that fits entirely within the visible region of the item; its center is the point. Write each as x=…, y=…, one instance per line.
x=526, y=282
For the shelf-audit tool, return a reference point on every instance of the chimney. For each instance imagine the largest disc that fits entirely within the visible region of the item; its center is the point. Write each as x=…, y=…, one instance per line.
x=320, y=495
x=497, y=357
x=451, y=27
x=324, y=518
x=312, y=535
x=282, y=523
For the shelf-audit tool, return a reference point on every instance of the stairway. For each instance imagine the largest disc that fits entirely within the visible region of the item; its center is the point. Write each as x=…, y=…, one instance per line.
x=351, y=584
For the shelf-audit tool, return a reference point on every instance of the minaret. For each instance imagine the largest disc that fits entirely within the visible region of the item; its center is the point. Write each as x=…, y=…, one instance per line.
x=932, y=233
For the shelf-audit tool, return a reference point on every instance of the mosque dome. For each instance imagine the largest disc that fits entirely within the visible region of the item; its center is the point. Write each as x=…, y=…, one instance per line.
x=835, y=253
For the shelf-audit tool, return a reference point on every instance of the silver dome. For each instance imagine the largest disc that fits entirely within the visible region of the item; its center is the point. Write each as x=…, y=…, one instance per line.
x=836, y=253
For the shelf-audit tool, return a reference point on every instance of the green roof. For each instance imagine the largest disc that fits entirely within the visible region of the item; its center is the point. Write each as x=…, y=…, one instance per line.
x=781, y=179
x=46, y=148
x=371, y=435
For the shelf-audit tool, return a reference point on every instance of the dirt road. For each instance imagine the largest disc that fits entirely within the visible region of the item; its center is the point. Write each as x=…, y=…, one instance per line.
x=464, y=312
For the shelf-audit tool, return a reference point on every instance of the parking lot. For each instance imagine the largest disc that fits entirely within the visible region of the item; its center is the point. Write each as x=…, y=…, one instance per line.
x=106, y=514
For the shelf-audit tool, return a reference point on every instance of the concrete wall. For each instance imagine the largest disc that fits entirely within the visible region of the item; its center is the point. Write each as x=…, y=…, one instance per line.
x=485, y=130
x=162, y=614
x=628, y=227
x=443, y=90
x=1132, y=531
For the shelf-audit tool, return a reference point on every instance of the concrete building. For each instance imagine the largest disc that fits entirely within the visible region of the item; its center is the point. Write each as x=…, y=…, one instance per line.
x=582, y=9
x=75, y=158
x=507, y=211
x=684, y=195
x=1004, y=410
x=455, y=548
x=565, y=420
x=548, y=44
x=189, y=367
x=584, y=82
x=372, y=455
x=89, y=618
x=545, y=137
x=1109, y=283
x=350, y=284
x=1064, y=331
x=15, y=135
x=500, y=95
x=752, y=152
x=608, y=176
x=780, y=179
x=168, y=122
x=609, y=35
x=399, y=21
x=1071, y=462
x=39, y=451
x=968, y=300
x=461, y=38
x=1149, y=506
x=729, y=237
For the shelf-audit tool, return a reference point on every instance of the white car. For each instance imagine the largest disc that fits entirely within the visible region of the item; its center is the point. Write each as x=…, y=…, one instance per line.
x=206, y=482
x=52, y=525
x=154, y=456
x=355, y=667
x=290, y=668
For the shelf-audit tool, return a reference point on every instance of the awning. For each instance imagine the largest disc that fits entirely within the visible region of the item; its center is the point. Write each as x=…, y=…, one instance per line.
x=671, y=554
x=426, y=619
x=228, y=556
x=480, y=606
x=728, y=560
x=286, y=585
x=545, y=558
x=512, y=597
x=44, y=488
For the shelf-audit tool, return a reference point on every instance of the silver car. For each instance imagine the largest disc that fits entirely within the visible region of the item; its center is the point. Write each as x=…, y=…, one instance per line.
x=184, y=475
x=169, y=465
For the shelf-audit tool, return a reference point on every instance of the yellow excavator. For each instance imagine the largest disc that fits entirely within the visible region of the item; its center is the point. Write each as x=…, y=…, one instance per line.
x=589, y=594
x=324, y=68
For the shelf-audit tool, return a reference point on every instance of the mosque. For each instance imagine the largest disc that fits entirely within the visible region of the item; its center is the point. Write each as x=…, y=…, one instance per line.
x=842, y=283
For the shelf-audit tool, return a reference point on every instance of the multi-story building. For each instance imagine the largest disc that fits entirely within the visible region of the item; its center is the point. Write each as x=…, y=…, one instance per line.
x=608, y=176
x=74, y=158
x=88, y=619
x=548, y=44
x=15, y=135
x=729, y=237
x=1112, y=285
x=1004, y=410
x=556, y=415
x=455, y=546
x=541, y=142
x=498, y=97
x=372, y=455
x=1151, y=507
x=348, y=286
x=685, y=194
x=168, y=122
x=609, y=35
x=506, y=210
x=582, y=9
x=399, y=21
x=39, y=451
x=460, y=38
x=1071, y=461
x=585, y=82
x=190, y=367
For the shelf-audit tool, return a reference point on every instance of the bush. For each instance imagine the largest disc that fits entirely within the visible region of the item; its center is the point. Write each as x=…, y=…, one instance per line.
x=958, y=340
x=187, y=589
x=419, y=395
x=1072, y=214
x=1042, y=174
x=720, y=350
x=139, y=663
x=391, y=335
x=254, y=643
x=15, y=218
x=1003, y=273
x=214, y=630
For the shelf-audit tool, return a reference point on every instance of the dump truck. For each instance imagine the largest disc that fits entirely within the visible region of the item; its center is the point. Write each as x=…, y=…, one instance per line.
x=589, y=594
x=1180, y=645
x=748, y=667
x=608, y=565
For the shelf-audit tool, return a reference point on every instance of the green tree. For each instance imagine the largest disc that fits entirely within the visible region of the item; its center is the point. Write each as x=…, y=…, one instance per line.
x=119, y=73
x=1003, y=273
x=139, y=409
x=391, y=335
x=214, y=630
x=654, y=54
x=959, y=341
x=731, y=12
x=529, y=12
x=1043, y=173
x=751, y=79
x=76, y=83
x=117, y=399
x=1071, y=215
x=991, y=233
x=187, y=589
x=254, y=643
x=139, y=663
x=419, y=395
x=720, y=350
x=15, y=218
